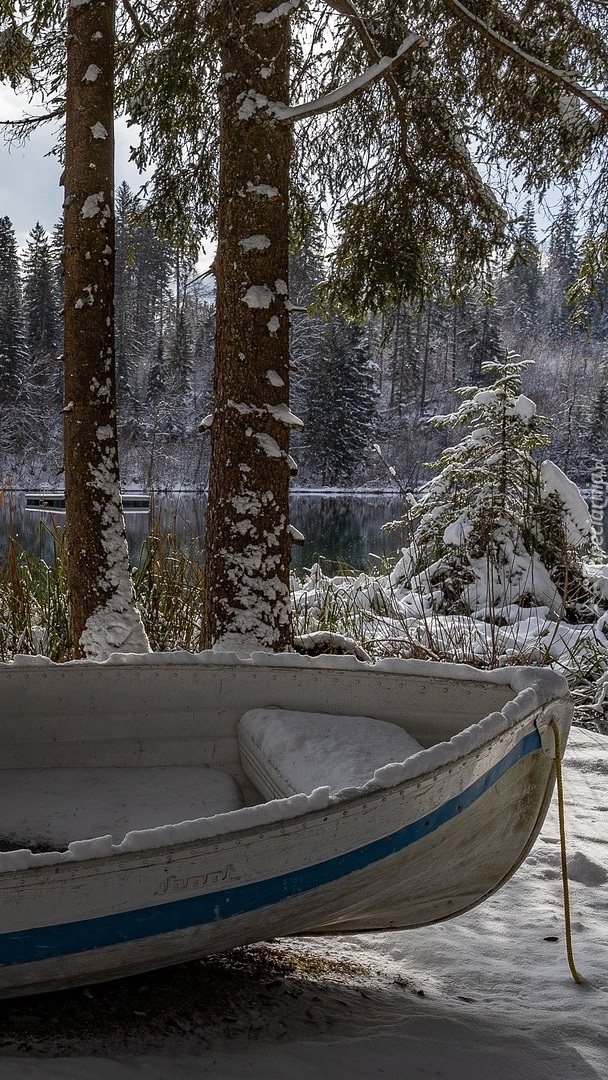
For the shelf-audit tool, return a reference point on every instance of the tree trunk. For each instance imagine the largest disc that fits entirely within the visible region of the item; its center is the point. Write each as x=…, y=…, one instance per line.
x=103, y=614
x=248, y=544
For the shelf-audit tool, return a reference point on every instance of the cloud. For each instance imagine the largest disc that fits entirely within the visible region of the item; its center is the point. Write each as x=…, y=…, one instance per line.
x=29, y=177
x=29, y=180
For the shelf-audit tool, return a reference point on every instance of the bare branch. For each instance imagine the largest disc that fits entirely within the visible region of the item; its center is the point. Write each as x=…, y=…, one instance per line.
x=350, y=89
x=526, y=60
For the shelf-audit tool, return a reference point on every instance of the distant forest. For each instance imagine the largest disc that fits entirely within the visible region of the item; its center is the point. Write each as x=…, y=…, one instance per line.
x=352, y=386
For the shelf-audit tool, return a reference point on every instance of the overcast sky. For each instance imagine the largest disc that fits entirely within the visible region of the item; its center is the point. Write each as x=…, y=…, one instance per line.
x=29, y=180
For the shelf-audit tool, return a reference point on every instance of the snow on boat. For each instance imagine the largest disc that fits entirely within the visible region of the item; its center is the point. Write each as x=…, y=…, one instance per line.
x=158, y=808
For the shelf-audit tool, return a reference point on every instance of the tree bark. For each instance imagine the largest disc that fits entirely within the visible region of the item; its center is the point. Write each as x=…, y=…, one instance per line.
x=248, y=545
x=103, y=614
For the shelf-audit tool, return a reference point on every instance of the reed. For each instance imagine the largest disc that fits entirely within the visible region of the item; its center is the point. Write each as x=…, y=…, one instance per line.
x=34, y=611
x=34, y=614
x=168, y=577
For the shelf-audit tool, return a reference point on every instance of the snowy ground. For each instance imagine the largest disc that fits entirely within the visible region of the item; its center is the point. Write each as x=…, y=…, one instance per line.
x=487, y=996
x=389, y=615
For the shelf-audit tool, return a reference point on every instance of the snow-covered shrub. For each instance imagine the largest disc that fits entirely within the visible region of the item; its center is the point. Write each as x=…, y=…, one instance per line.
x=496, y=527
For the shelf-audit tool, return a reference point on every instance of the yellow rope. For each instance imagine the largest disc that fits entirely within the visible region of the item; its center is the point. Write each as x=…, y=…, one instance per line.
x=562, y=838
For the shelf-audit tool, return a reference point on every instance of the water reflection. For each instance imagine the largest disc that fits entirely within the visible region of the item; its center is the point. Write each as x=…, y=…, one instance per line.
x=342, y=529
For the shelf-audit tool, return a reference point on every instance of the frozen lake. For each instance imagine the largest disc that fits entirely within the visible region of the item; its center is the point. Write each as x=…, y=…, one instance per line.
x=341, y=528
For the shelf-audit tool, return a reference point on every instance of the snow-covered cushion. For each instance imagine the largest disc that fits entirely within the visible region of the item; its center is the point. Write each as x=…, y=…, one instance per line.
x=49, y=808
x=284, y=752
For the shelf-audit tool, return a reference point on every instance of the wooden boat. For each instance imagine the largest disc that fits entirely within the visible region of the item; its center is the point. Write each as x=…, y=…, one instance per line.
x=155, y=874
x=53, y=502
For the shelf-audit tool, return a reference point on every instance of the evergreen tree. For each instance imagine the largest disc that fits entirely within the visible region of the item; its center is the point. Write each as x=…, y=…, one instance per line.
x=484, y=334
x=126, y=327
x=495, y=526
x=56, y=248
x=596, y=425
x=203, y=357
x=12, y=345
x=157, y=379
x=41, y=307
x=562, y=267
x=307, y=333
x=181, y=356
x=340, y=419
x=409, y=346
x=103, y=614
x=523, y=284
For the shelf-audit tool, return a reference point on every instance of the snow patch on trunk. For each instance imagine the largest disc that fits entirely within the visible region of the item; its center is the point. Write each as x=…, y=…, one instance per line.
x=250, y=103
x=258, y=296
x=258, y=242
x=115, y=625
x=269, y=445
x=262, y=189
x=284, y=415
x=92, y=205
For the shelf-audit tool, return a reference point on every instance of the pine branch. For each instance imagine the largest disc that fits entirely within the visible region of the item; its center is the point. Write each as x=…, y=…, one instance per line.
x=20, y=129
x=346, y=7
x=526, y=60
x=131, y=12
x=351, y=89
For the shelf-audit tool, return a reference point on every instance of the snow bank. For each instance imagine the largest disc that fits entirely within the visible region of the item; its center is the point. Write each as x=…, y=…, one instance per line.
x=579, y=528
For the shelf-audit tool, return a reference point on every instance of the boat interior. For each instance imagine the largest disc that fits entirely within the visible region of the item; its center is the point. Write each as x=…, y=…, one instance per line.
x=153, y=747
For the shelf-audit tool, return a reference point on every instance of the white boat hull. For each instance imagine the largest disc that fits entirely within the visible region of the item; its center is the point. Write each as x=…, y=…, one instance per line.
x=416, y=852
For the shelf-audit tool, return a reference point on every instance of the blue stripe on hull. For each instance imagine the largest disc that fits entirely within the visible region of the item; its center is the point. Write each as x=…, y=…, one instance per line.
x=40, y=943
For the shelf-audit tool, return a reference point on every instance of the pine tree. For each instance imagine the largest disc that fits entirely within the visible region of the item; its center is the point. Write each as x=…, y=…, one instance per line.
x=596, y=421
x=247, y=570
x=562, y=268
x=493, y=526
x=141, y=297
x=409, y=351
x=126, y=326
x=12, y=344
x=41, y=306
x=103, y=614
x=203, y=357
x=484, y=337
x=181, y=345
x=523, y=284
x=308, y=331
x=340, y=419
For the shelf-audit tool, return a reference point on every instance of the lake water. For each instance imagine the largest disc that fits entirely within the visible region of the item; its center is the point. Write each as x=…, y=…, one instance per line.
x=344, y=528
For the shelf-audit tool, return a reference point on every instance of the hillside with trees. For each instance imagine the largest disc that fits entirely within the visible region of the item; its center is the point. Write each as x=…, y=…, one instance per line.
x=353, y=385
